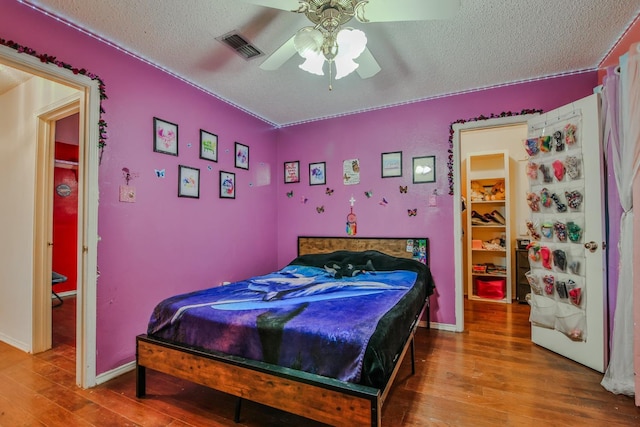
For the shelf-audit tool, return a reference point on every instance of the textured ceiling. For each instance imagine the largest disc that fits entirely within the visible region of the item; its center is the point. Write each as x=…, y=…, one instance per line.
x=487, y=43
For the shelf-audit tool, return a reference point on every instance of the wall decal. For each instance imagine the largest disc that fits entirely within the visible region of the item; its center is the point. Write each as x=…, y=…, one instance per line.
x=160, y=173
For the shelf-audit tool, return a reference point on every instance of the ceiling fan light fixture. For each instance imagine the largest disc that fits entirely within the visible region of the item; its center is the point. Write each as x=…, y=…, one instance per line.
x=308, y=40
x=313, y=64
x=351, y=44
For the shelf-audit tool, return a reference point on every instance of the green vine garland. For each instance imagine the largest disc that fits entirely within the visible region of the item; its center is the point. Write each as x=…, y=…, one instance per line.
x=475, y=119
x=48, y=59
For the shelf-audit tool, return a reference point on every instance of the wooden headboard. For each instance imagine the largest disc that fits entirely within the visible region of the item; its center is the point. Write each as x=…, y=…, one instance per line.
x=395, y=246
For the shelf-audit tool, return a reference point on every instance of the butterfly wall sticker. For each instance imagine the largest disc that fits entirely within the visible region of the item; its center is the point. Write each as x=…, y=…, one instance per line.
x=403, y=189
x=303, y=199
x=290, y=194
x=329, y=191
x=384, y=202
x=160, y=173
x=368, y=194
x=320, y=209
x=412, y=212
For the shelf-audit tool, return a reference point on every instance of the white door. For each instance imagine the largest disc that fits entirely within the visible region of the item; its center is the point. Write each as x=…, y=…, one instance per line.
x=566, y=254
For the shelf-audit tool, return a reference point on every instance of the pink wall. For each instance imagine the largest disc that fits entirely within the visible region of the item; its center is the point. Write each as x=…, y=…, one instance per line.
x=162, y=244
x=419, y=129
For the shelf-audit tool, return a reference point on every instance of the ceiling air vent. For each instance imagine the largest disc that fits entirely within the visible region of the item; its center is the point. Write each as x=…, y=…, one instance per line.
x=240, y=45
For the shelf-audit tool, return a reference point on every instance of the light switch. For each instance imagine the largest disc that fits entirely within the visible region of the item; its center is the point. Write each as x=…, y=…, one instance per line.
x=433, y=200
x=127, y=194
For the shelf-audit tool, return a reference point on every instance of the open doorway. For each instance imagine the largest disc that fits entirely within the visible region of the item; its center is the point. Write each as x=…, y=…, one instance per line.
x=492, y=135
x=65, y=235
x=49, y=93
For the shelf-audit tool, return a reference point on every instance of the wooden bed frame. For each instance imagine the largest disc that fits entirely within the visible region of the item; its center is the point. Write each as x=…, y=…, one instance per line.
x=323, y=399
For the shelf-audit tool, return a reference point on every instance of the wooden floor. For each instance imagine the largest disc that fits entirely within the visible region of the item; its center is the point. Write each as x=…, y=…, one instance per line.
x=490, y=375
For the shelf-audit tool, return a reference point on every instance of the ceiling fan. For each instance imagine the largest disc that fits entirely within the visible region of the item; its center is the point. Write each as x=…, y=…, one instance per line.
x=329, y=40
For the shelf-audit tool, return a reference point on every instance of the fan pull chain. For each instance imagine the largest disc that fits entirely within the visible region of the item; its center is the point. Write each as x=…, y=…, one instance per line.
x=330, y=76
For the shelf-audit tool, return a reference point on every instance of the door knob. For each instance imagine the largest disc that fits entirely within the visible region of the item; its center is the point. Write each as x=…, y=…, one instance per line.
x=592, y=246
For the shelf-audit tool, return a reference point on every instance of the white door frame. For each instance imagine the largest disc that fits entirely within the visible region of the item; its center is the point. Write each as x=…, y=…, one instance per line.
x=457, y=205
x=43, y=221
x=89, y=108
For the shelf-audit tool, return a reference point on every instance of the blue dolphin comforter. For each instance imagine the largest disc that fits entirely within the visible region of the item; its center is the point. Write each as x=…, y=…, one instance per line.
x=302, y=317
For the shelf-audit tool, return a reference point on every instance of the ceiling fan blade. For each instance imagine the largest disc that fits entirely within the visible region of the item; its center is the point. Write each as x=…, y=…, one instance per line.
x=280, y=56
x=289, y=5
x=410, y=10
x=367, y=64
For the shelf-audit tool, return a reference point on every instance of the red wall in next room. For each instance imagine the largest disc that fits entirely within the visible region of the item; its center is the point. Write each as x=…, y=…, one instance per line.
x=65, y=217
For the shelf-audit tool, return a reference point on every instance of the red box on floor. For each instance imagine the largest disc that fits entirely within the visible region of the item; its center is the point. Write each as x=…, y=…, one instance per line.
x=491, y=288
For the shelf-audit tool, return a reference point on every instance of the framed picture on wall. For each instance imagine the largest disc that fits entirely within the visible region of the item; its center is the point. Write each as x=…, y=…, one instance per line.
x=424, y=169
x=291, y=172
x=165, y=137
x=188, y=182
x=317, y=173
x=208, y=146
x=391, y=164
x=242, y=156
x=227, y=185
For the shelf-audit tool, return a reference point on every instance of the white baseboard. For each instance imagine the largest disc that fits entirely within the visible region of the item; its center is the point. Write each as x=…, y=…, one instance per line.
x=109, y=375
x=17, y=344
x=439, y=326
x=64, y=294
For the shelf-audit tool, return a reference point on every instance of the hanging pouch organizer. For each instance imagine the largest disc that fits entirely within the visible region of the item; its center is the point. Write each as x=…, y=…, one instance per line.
x=547, y=174
x=574, y=200
x=574, y=231
x=560, y=229
x=532, y=172
x=558, y=170
x=549, y=283
x=573, y=167
x=534, y=282
x=545, y=198
x=561, y=289
x=544, y=144
x=571, y=321
x=559, y=260
x=543, y=311
x=558, y=138
x=546, y=229
x=531, y=146
x=575, y=293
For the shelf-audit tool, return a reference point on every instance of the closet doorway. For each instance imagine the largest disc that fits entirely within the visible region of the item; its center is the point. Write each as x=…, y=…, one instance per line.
x=488, y=136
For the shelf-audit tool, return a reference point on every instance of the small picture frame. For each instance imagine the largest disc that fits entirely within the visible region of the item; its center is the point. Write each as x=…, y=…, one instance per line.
x=242, y=156
x=291, y=172
x=424, y=169
x=227, y=185
x=391, y=164
x=165, y=137
x=188, y=182
x=317, y=173
x=208, y=146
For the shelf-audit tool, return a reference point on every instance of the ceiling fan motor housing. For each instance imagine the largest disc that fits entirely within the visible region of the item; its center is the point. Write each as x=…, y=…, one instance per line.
x=331, y=14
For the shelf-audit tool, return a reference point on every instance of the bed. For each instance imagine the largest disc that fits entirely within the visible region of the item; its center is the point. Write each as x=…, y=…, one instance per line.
x=280, y=340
